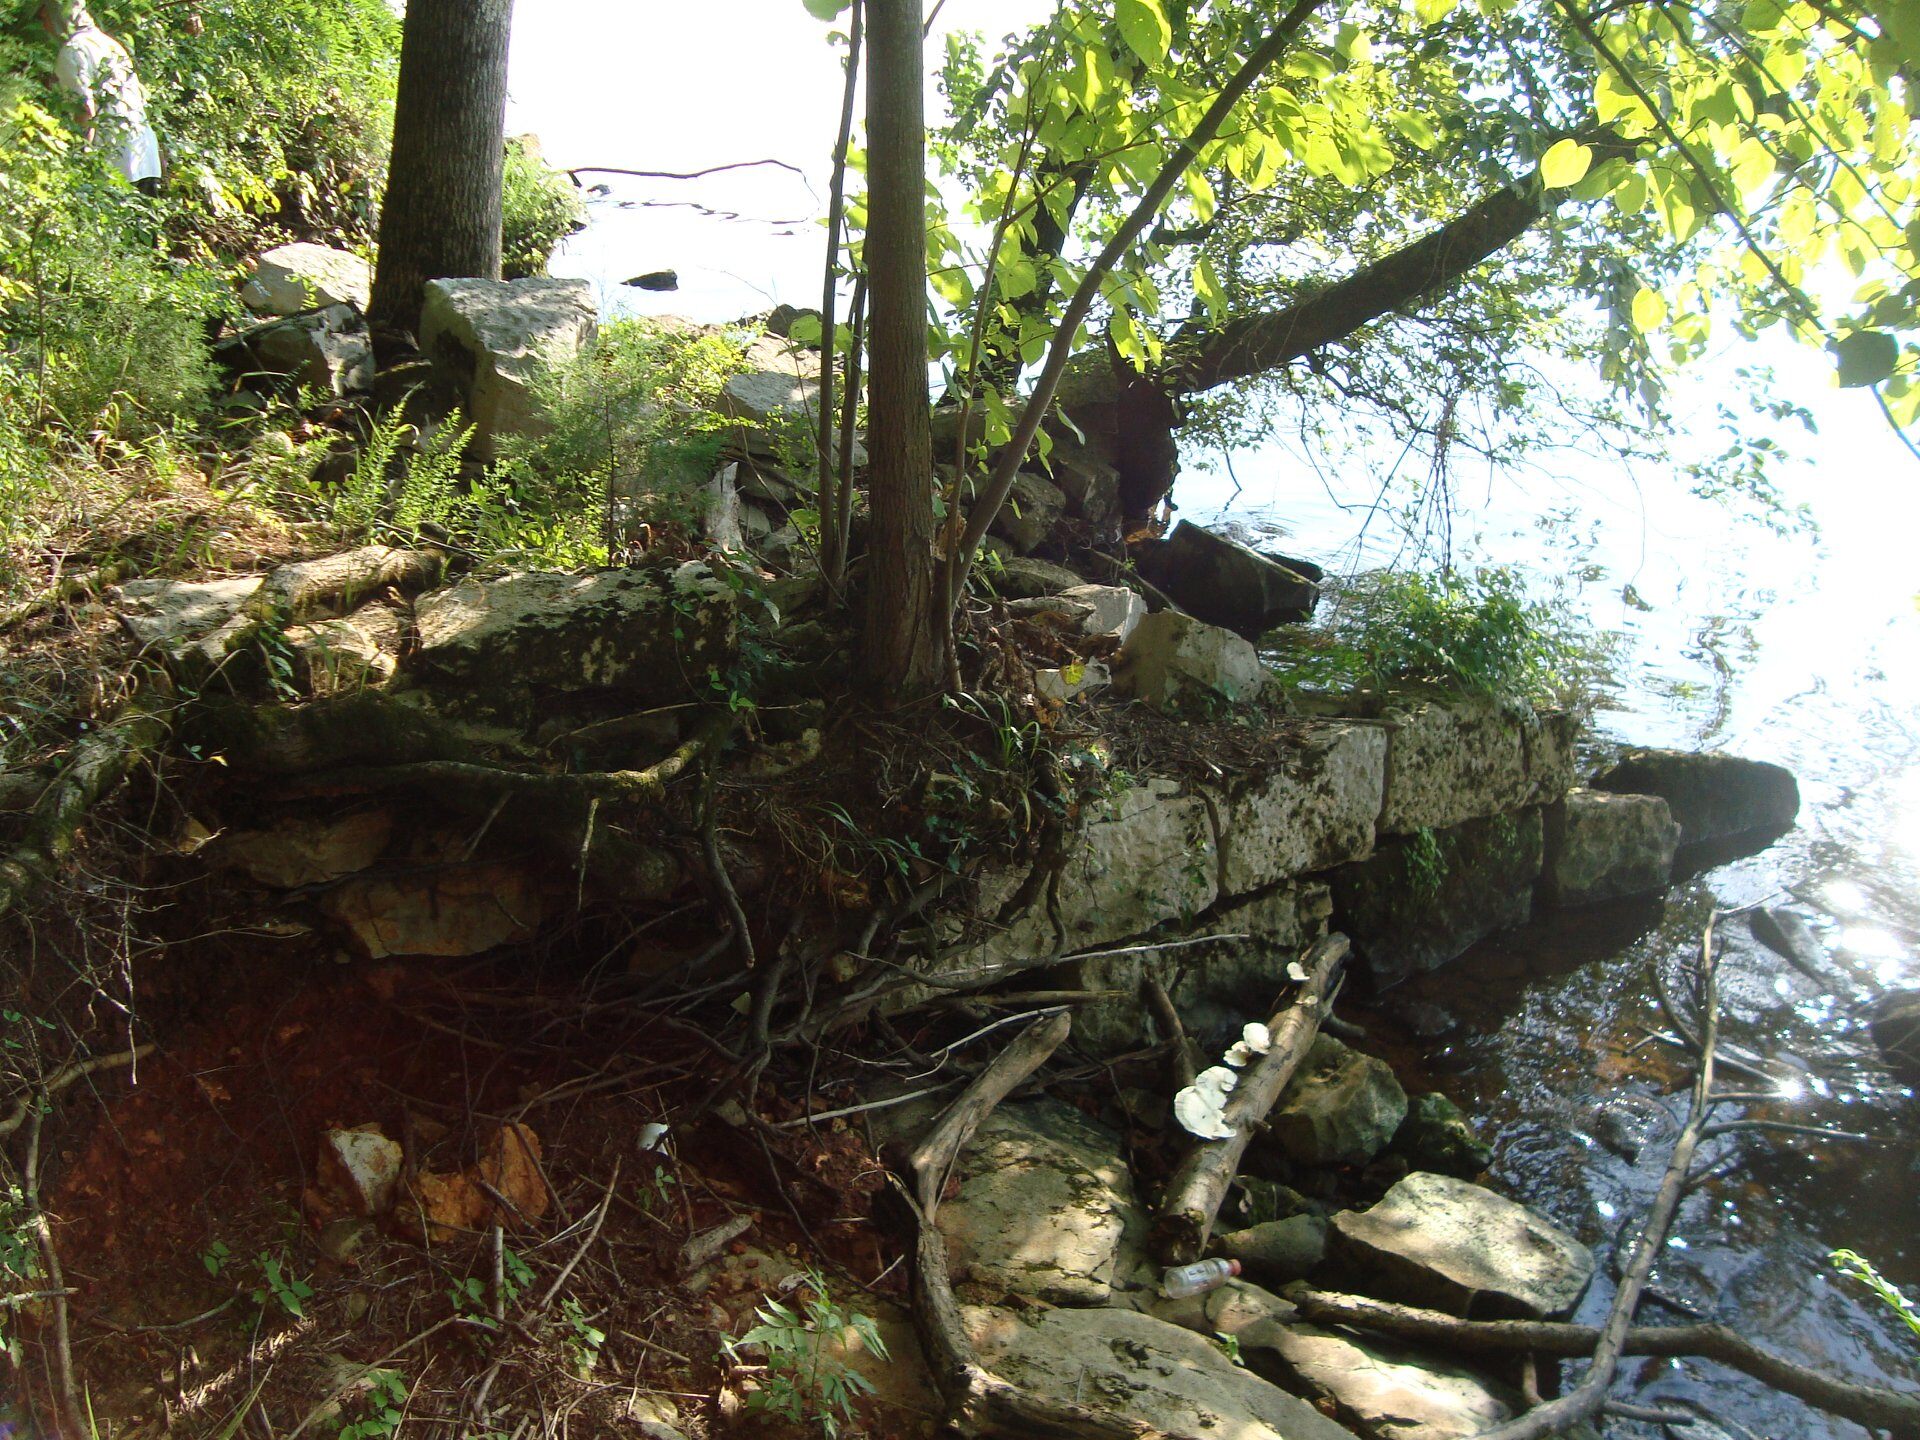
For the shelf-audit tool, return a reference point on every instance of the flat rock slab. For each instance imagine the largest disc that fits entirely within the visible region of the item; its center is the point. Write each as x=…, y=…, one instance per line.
x=1451, y=760
x=1340, y=1108
x=1602, y=846
x=1712, y=797
x=1386, y=1391
x=650, y=636
x=289, y=279
x=1144, y=1369
x=1313, y=806
x=1454, y=1246
x=1173, y=657
x=1044, y=1202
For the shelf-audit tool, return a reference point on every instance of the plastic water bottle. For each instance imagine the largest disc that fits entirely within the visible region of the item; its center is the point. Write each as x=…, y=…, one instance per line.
x=1196, y=1279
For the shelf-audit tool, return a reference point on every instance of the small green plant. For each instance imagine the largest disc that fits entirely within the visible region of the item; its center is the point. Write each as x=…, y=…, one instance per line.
x=19, y=1261
x=280, y=1286
x=215, y=1258
x=584, y=1339
x=539, y=207
x=1426, y=863
x=1857, y=1267
x=1474, y=633
x=469, y=1293
x=806, y=1380
x=382, y=1406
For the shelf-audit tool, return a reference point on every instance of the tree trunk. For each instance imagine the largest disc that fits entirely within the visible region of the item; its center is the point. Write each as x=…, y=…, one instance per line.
x=441, y=215
x=904, y=627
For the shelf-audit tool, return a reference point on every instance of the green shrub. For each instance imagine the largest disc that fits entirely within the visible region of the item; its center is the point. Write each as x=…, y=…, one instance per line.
x=630, y=438
x=539, y=207
x=1476, y=634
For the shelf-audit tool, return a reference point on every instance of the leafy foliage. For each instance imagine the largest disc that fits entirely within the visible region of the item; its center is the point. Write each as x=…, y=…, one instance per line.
x=806, y=1379
x=539, y=207
x=1476, y=634
x=1857, y=1267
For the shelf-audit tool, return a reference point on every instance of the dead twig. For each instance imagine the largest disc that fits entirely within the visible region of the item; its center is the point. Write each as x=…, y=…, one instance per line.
x=64, y=1077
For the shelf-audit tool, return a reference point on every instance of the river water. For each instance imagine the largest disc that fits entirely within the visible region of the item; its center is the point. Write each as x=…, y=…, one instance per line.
x=1801, y=648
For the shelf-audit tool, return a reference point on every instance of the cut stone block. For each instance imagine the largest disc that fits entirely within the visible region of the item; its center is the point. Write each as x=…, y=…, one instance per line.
x=1459, y=759
x=1311, y=807
x=1601, y=846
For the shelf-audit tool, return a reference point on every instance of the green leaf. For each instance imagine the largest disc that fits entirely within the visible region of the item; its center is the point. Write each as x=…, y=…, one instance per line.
x=1649, y=310
x=1865, y=357
x=825, y=9
x=1564, y=164
x=1143, y=25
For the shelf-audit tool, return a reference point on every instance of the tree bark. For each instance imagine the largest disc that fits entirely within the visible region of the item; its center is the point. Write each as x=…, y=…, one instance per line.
x=904, y=627
x=441, y=215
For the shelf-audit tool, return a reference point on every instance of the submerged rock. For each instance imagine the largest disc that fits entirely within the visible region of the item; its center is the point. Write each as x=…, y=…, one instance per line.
x=1340, y=1108
x=1172, y=657
x=1790, y=937
x=1454, y=1246
x=1712, y=797
x=1143, y=1368
x=1438, y=1136
x=1044, y=1200
x=1896, y=1030
x=1225, y=583
x=1602, y=846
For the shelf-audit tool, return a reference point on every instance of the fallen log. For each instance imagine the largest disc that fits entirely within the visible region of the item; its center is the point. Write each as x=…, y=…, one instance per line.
x=1194, y=1195
x=1868, y=1405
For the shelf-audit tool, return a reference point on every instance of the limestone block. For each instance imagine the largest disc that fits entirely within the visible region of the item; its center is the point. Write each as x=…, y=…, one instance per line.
x=777, y=379
x=169, y=613
x=289, y=279
x=1420, y=901
x=1454, y=1246
x=1171, y=657
x=1311, y=807
x=1143, y=1368
x=493, y=338
x=1114, y=610
x=1146, y=859
x=1712, y=797
x=1044, y=1200
x=645, y=635
x=1601, y=846
x=331, y=350
x=354, y=652
x=1340, y=1108
x=1458, y=759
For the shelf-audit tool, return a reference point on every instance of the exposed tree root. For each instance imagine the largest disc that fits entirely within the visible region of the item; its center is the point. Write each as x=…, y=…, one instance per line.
x=1866, y=1405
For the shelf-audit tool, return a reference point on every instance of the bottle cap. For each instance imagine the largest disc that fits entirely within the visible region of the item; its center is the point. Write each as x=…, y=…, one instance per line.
x=1233, y=1267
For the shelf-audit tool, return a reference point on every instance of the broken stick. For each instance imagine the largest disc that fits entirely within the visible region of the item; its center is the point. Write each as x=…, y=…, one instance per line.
x=1195, y=1193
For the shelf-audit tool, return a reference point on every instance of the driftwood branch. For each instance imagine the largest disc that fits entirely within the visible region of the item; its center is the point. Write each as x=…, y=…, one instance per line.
x=980, y=1403
x=64, y=1077
x=1186, y=1064
x=683, y=174
x=1199, y=1186
x=1867, y=1405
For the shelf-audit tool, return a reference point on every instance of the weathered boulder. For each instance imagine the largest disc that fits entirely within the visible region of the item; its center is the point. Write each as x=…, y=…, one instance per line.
x=1021, y=577
x=1444, y=1243
x=360, y=1168
x=1340, y=1108
x=1896, y=1030
x=1143, y=1368
x=168, y=614
x=1462, y=758
x=289, y=279
x=1044, y=1200
x=777, y=379
x=1225, y=583
x=1278, y=1251
x=1311, y=806
x=1091, y=485
x=1712, y=797
x=352, y=652
x=452, y=910
x=1033, y=508
x=1114, y=611
x=1172, y=657
x=306, y=852
x=492, y=339
x=1437, y=1136
x=1069, y=682
x=331, y=350
x=1384, y=1390
x=645, y=635
x=1421, y=900
x=1602, y=846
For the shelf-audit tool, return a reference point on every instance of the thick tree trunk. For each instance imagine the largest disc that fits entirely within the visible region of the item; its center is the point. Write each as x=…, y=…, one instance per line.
x=441, y=215
x=904, y=626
